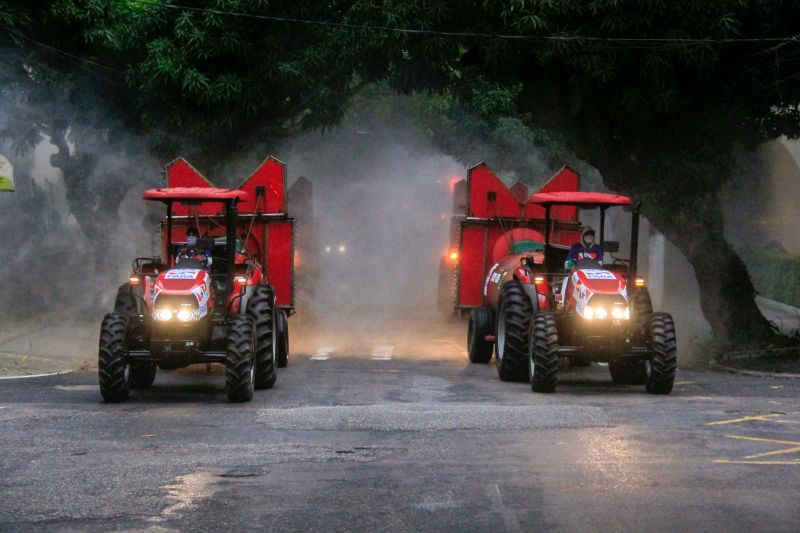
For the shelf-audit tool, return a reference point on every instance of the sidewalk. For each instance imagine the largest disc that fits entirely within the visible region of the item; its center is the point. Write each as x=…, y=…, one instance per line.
x=32, y=348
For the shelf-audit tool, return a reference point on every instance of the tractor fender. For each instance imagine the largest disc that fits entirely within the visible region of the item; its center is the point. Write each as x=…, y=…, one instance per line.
x=533, y=296
x=248, y=292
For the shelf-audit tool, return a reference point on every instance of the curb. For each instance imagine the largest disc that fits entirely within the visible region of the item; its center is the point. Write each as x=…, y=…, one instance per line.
x=752, y=373
x=28, y=376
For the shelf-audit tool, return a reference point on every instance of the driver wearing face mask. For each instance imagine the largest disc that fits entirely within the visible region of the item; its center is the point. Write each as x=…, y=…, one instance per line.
x=586, y=249
x=191, y=251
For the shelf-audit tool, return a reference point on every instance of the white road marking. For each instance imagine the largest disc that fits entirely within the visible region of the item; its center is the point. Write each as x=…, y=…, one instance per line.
x=323, y=353
x=36, y=375
x=76, y=387
x=382, y=352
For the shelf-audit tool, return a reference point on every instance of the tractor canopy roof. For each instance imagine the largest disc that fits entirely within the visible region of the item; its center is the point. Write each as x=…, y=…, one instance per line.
x=579, y=198
x=195, y=194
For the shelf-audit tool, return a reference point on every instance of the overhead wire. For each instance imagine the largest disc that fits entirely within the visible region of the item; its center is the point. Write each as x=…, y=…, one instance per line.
x=440, y=33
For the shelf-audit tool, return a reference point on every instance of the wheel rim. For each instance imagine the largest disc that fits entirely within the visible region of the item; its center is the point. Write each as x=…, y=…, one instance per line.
x=648, y=368
x=126, y=373
x=532, y=364
x=501, y=334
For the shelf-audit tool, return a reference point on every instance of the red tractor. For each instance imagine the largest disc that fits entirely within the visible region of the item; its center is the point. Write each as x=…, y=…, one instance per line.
x=223, y=298
x=535, y=310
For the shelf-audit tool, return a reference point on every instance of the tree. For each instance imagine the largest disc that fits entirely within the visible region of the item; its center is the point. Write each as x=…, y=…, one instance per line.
x=657, y=95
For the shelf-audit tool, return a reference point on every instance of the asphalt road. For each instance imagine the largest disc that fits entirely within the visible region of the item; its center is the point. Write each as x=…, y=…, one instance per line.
x=397, y=432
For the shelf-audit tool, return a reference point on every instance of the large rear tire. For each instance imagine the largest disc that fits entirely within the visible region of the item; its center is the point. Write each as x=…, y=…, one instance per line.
x=479, y=349
x=125, y=302
x=113, y=370
x=627, y=371
x=261, y=308
x=660, y=369
x=513, y=324
x=240, y=359
x=282, y=351
x=543, y=353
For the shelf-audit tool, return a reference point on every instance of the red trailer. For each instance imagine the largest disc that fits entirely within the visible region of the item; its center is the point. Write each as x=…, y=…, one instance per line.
x=222, y=297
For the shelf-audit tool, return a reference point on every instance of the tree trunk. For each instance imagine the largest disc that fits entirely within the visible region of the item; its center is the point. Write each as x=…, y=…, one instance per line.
x=727, y=295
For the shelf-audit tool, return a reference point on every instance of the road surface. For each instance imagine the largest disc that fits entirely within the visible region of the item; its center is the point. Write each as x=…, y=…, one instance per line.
x=397, y=432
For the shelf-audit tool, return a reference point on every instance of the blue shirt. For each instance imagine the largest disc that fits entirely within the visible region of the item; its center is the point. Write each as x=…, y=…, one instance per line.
x=577, y=252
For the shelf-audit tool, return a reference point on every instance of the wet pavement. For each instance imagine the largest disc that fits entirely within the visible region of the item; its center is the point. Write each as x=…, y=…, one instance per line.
x=399, y=433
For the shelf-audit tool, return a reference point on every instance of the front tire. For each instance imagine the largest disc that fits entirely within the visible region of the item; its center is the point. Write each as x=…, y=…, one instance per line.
x=114, y=372
x=261, y=308
x=239, y=369
x=513, y=323
x=642, y=310
x=479, y=349
x=543, y=353
x=660, y=369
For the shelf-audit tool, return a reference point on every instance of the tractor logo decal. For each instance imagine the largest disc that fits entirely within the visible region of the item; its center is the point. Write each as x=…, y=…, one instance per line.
x=182, y=273
x=599, y=274
x=491, y=278
x=201, y=294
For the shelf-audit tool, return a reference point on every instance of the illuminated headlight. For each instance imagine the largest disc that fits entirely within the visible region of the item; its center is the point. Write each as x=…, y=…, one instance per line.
x=591, y=313
x=185, y=315
x=620, y=314
x=163, y=314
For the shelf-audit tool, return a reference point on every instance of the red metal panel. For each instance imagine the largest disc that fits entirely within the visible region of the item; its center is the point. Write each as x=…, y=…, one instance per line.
x=280, y=248
x=180, y=173
x=271, y=175
x=194, y=193
x=481, y=181
x=471, y=265
x=566, y=180
x=588, y=198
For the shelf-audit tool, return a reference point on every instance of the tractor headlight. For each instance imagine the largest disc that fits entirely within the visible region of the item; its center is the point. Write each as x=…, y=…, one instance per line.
x=163, y=314
x=185, y=315
x=591, y=312
x=620, y=313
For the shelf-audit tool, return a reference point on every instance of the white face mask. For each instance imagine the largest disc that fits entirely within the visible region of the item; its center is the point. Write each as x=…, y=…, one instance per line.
x=589, y=240
x=191, y=240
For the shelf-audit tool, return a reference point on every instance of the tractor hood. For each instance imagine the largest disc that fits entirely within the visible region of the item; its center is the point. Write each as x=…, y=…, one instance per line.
x=183, y=281
x=599, y=293
x=598, y=281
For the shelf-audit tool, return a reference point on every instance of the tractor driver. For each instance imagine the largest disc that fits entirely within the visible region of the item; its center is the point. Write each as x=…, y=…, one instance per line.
x=191, y=251
x=586, y=249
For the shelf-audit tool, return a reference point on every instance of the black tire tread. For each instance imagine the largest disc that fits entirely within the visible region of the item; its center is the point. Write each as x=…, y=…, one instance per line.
x=517, y=308
x=239, y=359
x=663, y=361
x=479, y=350
x=112, y=358
x=261, y=308
x=543, y=353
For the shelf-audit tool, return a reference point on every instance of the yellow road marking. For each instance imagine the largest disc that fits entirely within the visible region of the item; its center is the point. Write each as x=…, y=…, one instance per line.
x=684, y=383
x=727, y=462
x=25, y=358
x=795, y=446
x=742, y=419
